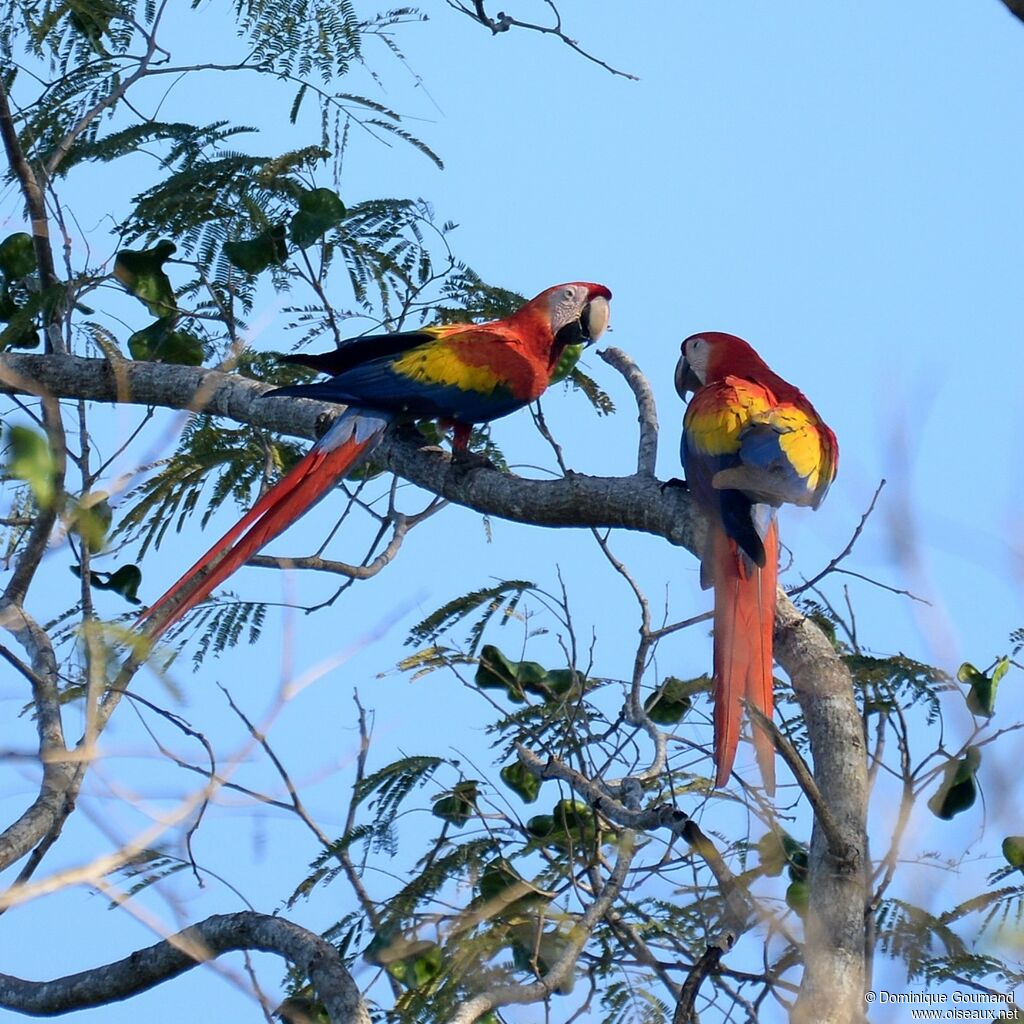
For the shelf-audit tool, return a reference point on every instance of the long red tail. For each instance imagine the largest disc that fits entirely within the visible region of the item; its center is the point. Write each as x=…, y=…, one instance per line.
x=352, y=436
x=744, y=622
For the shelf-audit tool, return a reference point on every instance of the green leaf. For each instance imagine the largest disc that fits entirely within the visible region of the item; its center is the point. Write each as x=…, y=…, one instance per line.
x=254, y=255
x=320, y=209
x=17, y=256
x=161, y=343
x=959, y=789
x=798, y=895
x=538, y=951
x=777, y=850
x=417, y=971
x=141, y=272
x=460, y=805
x=32, y=461
x=673, y=699
x=413, y=962
x=90, y=517
x=569, y=827
x=124, y=581
x=521, y=781
x=1013, y=851
x=567, y=363
x=981, y=700
x=517, y=678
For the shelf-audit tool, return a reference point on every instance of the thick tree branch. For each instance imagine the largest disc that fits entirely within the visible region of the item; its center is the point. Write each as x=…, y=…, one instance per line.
x=185, y=950
x=634, y=503
x=60, y=774
x=1015, y=7
x=833, y=984
x=834, y=979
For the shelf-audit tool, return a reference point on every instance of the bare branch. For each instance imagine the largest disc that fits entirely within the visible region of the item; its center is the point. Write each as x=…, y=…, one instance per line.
x=647, y=455
x=31, y=189
x=187, y=949
x=506, y=995
x=635, y=503
x=502, y=22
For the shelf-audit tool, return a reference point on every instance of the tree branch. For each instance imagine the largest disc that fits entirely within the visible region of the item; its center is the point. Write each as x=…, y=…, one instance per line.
x=185, y=950
x=823, y=685
x=833, y=983
x=634, y=502
x=1015, y=7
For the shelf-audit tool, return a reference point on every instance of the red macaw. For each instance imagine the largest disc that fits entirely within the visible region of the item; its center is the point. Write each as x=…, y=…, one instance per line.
x=751, y=441
x=460, y=373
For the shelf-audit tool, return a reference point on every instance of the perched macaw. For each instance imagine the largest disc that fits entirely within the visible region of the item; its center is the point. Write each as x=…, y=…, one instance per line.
x=751, y=441
x=459, y=373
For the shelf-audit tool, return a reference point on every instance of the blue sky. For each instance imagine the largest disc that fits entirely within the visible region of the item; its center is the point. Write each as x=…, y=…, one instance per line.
x=840, y=184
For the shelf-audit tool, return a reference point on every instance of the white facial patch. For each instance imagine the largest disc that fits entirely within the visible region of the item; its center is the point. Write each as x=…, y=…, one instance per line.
x=695, y=351
x=566, y=305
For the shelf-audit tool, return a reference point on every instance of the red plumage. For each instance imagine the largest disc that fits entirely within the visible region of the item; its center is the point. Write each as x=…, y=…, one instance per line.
x=751, y=442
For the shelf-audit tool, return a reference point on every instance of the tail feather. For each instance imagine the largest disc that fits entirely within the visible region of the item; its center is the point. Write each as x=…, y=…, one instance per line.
x=744, y=623
x=352, y=436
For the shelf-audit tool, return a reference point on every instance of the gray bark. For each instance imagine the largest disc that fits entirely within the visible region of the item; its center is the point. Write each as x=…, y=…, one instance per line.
x=834, y=977
x=143, y=969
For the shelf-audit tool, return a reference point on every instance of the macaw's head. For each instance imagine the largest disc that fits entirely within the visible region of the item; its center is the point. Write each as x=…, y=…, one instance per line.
x=576, y=313
x=711, y=356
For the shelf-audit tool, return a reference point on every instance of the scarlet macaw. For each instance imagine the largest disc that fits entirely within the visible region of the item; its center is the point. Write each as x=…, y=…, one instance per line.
x=461, y=373
x=751, y=441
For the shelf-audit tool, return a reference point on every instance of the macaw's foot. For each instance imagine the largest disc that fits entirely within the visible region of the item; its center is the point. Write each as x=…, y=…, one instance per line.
x=682, y=485
x=465, y=462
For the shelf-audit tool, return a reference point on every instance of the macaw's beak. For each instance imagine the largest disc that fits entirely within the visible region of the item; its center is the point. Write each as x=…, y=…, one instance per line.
x=593, y=320
x=686, y=379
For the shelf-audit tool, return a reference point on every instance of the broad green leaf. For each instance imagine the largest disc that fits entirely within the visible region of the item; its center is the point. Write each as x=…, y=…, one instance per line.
x=32, y=461
x=567, y=363
x=778, y=850
x=798, y=895
x=411, y=961
x=416, y=971
x=1013, y=851
x=517, y=678
x=124, y=581
x=319, y=210
x=256, y=254
x=90, y=517
x=521, y=781
x=22, y=331
x=981, y=700
x=460, y=805
x=17, y=256
x=569, y=827
x=959, y=789
x=161, y=343
x=673, y=699
x=141, y=272
x=537, y=952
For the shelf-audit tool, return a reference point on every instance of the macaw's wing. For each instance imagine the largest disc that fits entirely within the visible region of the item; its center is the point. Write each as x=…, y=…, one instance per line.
x=713, y=431
x=363, y=350
x=743, y=448
x=785, y=455
x=467, y=374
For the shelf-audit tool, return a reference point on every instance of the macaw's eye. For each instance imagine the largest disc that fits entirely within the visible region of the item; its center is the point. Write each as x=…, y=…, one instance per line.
x=569, y=294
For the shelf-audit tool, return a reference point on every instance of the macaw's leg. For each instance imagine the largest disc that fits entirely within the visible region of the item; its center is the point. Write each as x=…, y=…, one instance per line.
x=463, y=460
